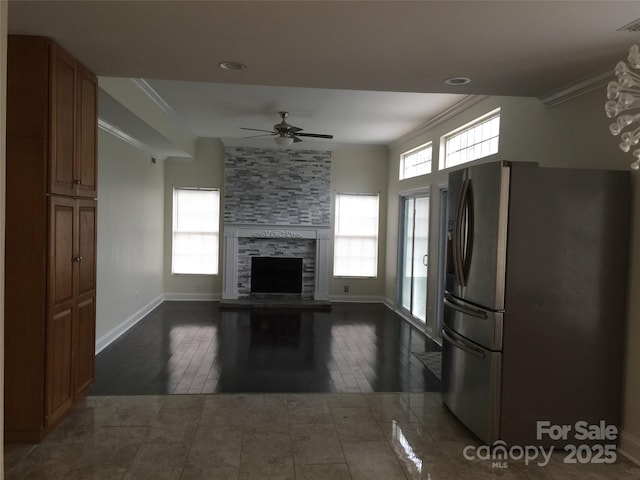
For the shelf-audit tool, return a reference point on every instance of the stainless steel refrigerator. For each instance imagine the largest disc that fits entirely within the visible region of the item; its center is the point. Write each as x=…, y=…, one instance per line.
x=535, y=298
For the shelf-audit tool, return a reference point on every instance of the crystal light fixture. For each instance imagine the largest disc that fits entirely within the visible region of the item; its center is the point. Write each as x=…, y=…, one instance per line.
x=623, y=104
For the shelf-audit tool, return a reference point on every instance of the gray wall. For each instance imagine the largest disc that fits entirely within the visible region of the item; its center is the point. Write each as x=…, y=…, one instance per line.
x=205, y=170
x=130, y=234
x=361, y=170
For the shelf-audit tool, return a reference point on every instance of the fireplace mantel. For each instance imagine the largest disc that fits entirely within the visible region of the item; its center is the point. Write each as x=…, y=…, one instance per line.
x=232, y=232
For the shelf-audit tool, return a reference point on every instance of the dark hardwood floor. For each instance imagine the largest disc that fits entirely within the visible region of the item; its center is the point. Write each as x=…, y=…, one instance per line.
x=196, y=347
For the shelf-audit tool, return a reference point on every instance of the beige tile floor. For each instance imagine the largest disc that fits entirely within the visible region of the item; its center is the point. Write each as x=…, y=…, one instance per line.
x=270, y=436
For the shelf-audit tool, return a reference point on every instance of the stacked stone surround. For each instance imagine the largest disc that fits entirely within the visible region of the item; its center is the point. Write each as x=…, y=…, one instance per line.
x=282, y=190
x=262, y=247
x=277, y=187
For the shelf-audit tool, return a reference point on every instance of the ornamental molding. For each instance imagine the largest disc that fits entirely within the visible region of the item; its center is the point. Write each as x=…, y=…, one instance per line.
x=282, y=232
x=277, y=234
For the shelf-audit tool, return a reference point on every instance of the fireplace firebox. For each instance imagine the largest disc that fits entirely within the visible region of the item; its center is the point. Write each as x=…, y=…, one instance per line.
x=276, y=275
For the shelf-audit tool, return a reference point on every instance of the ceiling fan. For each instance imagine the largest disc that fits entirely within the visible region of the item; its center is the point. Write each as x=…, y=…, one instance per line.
x=284, y=133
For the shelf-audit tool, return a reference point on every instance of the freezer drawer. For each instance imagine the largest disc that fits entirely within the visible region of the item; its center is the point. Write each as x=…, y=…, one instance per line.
x=471, y=384
x=481, y=326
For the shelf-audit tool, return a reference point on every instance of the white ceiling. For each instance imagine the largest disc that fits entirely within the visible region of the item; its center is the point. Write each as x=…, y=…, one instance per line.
x=336, y=66
x=352, y=116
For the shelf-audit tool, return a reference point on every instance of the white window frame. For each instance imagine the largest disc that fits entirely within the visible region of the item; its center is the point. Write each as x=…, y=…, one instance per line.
x=350, y=228
x=212, y=230
x=472, y=141
x=411, y=171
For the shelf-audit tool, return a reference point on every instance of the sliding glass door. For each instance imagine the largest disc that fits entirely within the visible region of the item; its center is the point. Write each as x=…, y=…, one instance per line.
x=414, y=261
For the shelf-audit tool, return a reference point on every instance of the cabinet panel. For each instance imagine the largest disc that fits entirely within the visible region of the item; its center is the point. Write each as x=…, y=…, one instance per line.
x=61, y=254
x=63, y=122
x=26, y=236
x=86, y=172
x=86, y=246
x=59, y=365
x=84, y=345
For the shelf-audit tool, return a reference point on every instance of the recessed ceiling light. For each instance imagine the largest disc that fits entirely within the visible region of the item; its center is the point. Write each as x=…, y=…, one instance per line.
x=456, y=81
x=228, y=65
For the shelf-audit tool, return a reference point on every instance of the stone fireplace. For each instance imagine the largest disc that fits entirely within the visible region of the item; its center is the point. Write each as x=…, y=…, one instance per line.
x=276, y=204
x=311, y=244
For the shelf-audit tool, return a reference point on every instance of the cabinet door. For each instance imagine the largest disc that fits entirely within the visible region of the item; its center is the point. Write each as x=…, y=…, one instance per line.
x=86, y=248
x=60, y=308
x=84, y=344
x=62, y=122
x=85, y=175
x=62, y=238
x=59, y=366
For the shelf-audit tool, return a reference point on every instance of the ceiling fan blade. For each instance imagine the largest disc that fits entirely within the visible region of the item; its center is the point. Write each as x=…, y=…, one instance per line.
x=258, y=130
x=314, y=135
x=263, y=135
x=294, y=129
x=296, y=139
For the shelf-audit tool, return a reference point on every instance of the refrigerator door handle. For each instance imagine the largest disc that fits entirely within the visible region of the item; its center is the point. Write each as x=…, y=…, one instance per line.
x=457, y=236
x=462, y=346
x=463, y=234
x=465, y=257
x=472, y=312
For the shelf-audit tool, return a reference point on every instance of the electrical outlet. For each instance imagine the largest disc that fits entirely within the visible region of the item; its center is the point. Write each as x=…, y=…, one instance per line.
x=346, y=289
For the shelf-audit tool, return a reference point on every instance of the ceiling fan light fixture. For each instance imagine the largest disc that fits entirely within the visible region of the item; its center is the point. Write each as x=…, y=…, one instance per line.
x=283, y=140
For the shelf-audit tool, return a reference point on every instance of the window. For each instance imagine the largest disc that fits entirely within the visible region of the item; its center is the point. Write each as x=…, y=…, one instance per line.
x=196, y=218
x=472, y=141
x=355, y=246
x=416, y=162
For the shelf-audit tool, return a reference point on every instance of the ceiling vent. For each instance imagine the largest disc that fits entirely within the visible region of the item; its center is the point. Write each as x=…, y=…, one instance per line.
x=631, y=27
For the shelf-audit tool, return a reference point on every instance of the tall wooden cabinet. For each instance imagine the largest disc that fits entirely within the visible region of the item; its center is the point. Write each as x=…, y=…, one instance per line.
x=50, y=266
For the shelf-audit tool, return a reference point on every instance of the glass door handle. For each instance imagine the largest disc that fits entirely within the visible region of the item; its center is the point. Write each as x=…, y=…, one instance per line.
x=424, y=259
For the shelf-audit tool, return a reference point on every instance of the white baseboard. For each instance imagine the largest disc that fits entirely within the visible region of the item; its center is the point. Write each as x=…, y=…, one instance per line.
x=389, y=303
x=111, y=335
x=356, y=299
x=629, y=446
x=412, y=321
x=193, y=297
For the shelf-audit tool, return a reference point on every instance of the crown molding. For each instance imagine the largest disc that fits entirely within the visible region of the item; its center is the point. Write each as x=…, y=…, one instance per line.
x=576, y=89
x=155, y=97
x=116, y=132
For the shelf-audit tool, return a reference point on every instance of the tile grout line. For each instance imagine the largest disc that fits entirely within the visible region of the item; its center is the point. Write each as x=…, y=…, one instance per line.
x=333, y=422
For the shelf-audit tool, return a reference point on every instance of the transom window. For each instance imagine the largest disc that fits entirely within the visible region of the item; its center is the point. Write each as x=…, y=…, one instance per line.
x=355, y=246
x=416, y=162
x=196, y=220
x=470, y=142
